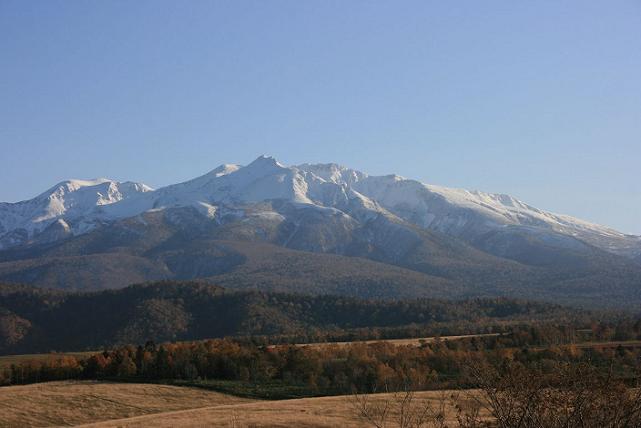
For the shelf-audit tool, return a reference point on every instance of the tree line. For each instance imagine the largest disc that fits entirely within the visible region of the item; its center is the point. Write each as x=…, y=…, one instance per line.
x=335, y=369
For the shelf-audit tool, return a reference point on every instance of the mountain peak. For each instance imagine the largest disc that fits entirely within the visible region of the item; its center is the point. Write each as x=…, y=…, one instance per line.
x=73, y=185
x=266, y=161
x=333, y=172
x=224, y=169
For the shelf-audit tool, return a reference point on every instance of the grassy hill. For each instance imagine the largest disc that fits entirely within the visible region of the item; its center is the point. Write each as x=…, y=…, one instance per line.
x=75, y=403
x=108, y=404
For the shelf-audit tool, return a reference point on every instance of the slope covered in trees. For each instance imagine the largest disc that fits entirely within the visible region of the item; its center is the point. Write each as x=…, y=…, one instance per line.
x=39, y=320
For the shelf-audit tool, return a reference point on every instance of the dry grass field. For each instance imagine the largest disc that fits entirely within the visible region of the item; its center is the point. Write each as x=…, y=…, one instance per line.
x=417, y=341
x=405, y=342
x=305, y=412
x=102, y=404
x=74, y=403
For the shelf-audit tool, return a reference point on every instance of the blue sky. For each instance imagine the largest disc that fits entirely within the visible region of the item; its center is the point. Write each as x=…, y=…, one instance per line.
x=541, y=100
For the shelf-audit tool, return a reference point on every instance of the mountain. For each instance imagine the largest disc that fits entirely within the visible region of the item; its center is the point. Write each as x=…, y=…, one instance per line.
x=40, y=320
x=69, y=208
x=472, y=215
x=78, y=206
x=314, y=228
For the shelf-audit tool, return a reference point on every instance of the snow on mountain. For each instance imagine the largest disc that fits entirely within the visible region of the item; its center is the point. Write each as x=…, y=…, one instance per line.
x=72, y=205
x=226, y=185
x=468, y=214
x=232, y=185
x=77, y=206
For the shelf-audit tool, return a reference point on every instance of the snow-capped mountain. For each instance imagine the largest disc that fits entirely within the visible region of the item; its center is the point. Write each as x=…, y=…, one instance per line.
x=314, y=229
x=469, y=214
x=75, y=207
x=71, y=207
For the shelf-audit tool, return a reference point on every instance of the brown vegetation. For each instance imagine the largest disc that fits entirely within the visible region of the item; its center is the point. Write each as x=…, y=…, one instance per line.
x=569, y=396
x=519, y=388
x=73, y=403
x=331, y=368
x=514, y=396
x=306, y=412
x=417, y=341
x=6, y=361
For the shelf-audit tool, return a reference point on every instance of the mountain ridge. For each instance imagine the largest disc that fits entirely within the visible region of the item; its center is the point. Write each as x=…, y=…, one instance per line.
x=89, y=202
x=226, y=223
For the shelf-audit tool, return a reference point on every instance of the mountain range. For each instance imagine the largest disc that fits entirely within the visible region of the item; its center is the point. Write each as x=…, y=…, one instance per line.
x=314, y=228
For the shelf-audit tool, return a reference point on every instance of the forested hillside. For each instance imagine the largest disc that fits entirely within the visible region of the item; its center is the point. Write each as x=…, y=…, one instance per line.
x=39, y=320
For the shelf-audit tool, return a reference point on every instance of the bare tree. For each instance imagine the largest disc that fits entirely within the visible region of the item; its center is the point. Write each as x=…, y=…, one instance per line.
x=375, y=412
x=572, y=396
x=568, y=396
x=402, y=408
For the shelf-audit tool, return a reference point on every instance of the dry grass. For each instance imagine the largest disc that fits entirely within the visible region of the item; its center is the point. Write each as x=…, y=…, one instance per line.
x=305, y=412
x=74, y=403
x=418, y=341
x=103, y=404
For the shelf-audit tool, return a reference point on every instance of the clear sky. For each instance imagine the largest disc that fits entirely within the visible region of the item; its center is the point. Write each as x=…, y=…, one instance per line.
x=540, y=99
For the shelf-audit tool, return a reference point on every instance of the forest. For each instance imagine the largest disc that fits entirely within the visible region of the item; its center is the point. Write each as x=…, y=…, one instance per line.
x=334, y=369
x=41, y=320
x=534, y=364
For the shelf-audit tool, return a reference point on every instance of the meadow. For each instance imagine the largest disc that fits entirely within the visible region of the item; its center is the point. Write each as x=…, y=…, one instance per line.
x=70, y=403
x=107, y=404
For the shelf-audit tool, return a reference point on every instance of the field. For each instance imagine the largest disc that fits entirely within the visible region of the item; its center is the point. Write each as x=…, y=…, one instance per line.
x=418, y=341
x=101, y=404
x=276, y=402
x=74, y=403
